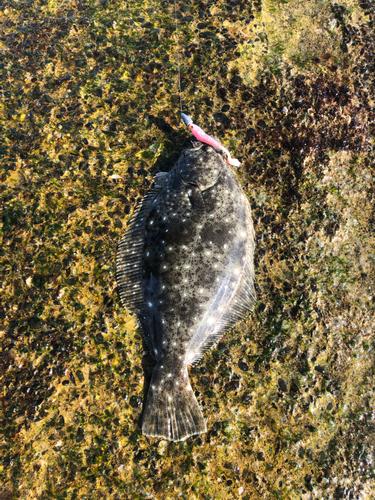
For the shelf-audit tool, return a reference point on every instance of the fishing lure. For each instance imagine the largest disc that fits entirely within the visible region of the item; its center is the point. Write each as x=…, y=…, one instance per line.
x=203, y=137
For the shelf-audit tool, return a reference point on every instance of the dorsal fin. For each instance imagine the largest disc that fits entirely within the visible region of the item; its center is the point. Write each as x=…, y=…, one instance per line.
x=241, y=302
x=129, y=256
x=241, y=305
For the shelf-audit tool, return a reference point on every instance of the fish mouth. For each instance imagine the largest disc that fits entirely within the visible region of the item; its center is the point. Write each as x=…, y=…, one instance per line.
x=196, y=146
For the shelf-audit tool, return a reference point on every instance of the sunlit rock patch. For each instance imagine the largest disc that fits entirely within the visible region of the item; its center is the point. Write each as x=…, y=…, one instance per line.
x=89, y=113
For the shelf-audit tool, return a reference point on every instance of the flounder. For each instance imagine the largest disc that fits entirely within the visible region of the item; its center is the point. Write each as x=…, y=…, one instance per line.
x=185, y=268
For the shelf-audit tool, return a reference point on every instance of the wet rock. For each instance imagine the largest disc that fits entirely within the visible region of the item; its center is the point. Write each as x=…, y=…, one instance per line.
x=222, y=118
x=282, y=385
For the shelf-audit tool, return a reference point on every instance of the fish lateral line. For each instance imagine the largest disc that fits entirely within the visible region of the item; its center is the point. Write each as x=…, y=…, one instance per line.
x=207, y=139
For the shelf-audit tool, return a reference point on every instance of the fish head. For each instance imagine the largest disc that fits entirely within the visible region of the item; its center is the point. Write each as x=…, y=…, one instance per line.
x=201, y=165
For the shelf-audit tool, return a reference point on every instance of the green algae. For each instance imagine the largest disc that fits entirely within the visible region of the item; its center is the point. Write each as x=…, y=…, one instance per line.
x=89, y=114
x=295, y=33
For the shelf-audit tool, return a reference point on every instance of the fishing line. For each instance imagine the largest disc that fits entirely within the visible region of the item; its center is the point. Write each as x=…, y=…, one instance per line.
x=178, y=55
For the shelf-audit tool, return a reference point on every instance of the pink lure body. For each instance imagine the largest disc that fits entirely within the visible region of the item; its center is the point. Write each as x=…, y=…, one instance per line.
x=203, y=137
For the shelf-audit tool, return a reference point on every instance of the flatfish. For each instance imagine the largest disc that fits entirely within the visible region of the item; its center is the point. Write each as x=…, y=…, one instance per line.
x=185, y=268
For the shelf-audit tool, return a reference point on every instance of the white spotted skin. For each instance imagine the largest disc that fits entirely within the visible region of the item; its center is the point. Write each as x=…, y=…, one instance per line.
x=197, y=265
x=198, y=261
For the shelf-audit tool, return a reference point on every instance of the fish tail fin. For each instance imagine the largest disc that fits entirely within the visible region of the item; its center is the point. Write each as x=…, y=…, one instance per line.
x=172, y=411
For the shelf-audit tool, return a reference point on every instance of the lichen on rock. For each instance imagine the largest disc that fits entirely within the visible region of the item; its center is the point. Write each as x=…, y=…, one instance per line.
x=89, y=114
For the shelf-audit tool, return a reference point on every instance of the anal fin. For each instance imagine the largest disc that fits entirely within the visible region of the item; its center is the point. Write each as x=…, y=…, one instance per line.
x=129, y=256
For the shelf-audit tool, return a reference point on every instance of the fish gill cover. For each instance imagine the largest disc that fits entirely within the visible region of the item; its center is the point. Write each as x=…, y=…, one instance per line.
x=89, y=114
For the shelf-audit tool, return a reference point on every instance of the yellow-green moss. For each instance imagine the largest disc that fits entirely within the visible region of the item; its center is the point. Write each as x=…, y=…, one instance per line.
x=88, y=115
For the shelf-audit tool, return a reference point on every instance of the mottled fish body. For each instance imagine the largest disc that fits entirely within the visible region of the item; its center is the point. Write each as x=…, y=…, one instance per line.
x=185, y=268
